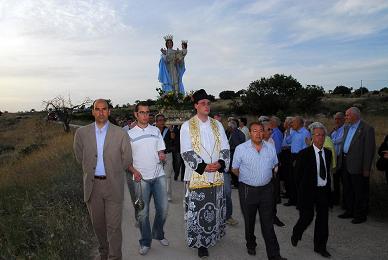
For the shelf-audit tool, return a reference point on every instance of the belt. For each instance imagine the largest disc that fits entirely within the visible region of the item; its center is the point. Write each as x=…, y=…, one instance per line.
x=99, y=177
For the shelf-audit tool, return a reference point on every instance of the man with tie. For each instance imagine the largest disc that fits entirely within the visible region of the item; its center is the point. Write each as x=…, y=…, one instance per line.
x=313, y=179
x=355, y=161
x=104, y=151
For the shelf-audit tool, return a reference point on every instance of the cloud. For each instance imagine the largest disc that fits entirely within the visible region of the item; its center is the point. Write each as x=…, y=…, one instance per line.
x=360, y=7
x=110, y=48
x=63, y=19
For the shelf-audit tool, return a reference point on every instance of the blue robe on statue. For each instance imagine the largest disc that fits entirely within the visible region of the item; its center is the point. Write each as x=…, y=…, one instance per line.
x=165, y=79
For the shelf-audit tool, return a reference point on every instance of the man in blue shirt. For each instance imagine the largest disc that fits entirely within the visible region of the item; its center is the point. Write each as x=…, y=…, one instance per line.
x=253, y=163
x=355, y=161
x=337, y=138
x=298, y=139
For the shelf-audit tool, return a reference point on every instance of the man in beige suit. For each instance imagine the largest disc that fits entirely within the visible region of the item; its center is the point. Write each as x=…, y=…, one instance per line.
x=104, y=151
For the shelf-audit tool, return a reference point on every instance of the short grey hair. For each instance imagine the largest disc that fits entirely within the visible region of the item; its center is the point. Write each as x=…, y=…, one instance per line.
x=356, y=111
x=316, y=125
x=232, y=124
x=263, y=119
x=288, y=119
x=339, y=115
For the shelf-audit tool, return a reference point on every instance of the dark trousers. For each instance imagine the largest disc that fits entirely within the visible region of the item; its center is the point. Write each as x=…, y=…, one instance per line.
x=253, y=199
x=285, y=168
x=337, y=187
x=233, y=176
x=276, y=192
x=293, y=195
x=179, y=166
x=356, y=194
x=321, y=229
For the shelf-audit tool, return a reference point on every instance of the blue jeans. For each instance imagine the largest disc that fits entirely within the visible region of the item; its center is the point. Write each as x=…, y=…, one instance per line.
x=157, y=188
x=228, y=195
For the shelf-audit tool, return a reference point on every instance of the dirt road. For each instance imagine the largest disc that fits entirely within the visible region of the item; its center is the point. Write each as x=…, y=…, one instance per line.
x=346, y=241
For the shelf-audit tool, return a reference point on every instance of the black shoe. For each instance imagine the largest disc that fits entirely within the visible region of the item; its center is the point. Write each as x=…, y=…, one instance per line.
x=203, y=252
x=277, y=222
x=346, y=215
x=294, y=241
x=278, y=257
x=251, y=251
x=358, y=220
x=323, y=253
x=289, y=203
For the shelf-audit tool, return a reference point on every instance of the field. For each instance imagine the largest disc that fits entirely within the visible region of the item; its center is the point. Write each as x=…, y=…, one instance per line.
x=42, y=215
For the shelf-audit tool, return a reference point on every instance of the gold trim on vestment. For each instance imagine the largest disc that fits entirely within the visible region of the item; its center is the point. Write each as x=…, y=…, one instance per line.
x=197, y=180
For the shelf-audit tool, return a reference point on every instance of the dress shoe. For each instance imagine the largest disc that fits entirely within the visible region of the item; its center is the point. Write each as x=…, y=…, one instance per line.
x=346, y=215
x=323, y=253
x=294, y=241
x=277, y=222
x=203, y=252
x=289, y=203
x=278, y=257
x=251, y=251
x=358, y=220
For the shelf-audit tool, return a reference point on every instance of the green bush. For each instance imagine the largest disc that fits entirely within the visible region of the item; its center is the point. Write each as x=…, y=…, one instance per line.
x=45, y=217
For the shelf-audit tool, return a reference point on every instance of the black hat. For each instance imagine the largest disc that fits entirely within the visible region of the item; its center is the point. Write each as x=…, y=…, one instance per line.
x=199, y=95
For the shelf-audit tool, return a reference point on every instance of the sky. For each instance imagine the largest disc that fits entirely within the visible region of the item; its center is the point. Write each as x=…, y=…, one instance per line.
x=111, y=48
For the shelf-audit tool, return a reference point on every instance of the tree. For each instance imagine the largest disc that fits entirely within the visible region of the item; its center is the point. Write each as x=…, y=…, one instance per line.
x=211, y=98
x=64, y=108
x=270, y=95
x=227, y=94
x=360, y=91
x=241, y=92
x=385, y=90
x=309, y=97
x=342, y=90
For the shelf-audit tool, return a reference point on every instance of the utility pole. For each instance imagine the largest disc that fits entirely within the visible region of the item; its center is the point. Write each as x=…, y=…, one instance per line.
x=361, y=88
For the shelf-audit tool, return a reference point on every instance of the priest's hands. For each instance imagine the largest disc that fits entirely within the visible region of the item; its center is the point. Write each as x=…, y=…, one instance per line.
x=213, y=167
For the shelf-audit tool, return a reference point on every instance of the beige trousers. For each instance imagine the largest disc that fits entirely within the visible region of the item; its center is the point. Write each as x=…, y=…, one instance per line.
x=106, y=216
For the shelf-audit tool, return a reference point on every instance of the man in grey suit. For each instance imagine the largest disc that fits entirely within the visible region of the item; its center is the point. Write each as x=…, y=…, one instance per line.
x=355, y=161
x=104, y=151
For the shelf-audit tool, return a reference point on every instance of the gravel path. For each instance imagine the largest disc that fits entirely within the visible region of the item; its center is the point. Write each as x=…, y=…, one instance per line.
x=346, y=241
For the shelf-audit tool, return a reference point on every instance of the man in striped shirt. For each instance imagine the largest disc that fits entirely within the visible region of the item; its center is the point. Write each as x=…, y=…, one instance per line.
x=253, y=163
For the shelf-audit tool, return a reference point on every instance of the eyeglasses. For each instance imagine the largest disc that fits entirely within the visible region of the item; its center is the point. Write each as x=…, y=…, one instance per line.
x=143, y=113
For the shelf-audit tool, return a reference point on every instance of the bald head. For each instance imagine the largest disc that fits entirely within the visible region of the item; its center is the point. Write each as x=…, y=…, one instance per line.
x=339, y=119
x=100, y=100
x=297, y=122
x=352, y=115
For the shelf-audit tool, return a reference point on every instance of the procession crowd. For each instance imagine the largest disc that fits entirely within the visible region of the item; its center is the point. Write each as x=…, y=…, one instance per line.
x=267, y=160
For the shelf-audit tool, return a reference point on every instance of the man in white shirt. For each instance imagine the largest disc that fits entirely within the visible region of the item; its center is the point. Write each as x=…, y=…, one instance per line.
x=147, y=168
x=313, y=182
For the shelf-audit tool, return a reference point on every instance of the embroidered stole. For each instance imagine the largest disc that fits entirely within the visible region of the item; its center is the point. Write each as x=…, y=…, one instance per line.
x=197, y=180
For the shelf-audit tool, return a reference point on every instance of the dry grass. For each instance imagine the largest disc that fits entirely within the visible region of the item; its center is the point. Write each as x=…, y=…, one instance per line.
x=41, y=210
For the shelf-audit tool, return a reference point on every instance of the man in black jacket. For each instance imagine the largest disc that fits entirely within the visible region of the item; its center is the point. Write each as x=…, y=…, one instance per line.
x=313, y=182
